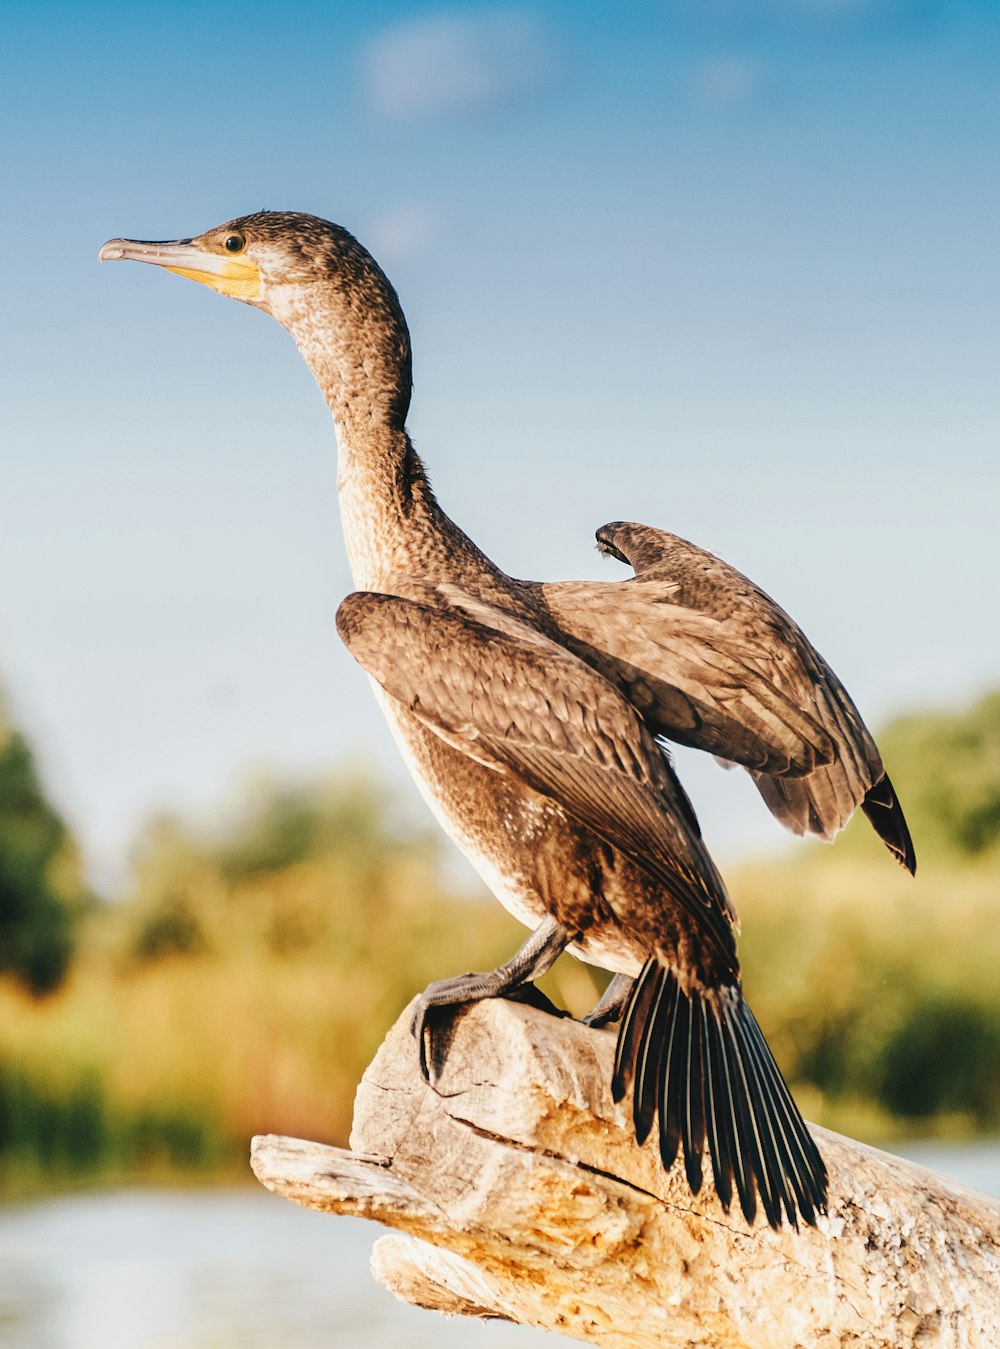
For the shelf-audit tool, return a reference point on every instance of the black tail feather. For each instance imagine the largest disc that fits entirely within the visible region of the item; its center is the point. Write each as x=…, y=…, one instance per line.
x=672, y=1078
x=778, y=1143
x=635, y=1019
x=647, y=1077
x=745, y=1163
x=808, y=1172
x=693, y=1123
x=721, y=1136
x=720, y=1142
x=882, y=807
x=697, y=1059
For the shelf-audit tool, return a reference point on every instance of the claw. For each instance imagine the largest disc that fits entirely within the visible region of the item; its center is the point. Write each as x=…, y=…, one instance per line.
x=425, y=1054
x=452, y=996
x=611, y=1004
x=438, y=999
x=420, y=1029
x=514, y=978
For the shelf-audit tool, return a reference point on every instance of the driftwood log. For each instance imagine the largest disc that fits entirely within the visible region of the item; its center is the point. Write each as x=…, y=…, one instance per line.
x=517, y=1191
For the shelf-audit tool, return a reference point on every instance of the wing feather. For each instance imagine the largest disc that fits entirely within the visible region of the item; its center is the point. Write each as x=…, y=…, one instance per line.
x=518, y=702
x=710, y=660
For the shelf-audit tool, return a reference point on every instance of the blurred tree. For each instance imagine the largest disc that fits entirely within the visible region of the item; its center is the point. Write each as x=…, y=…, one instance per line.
x=41, y=892
x=289, y=868
x=947, y=769
x=943, y=1059
x=163, y=917
x=277, y=825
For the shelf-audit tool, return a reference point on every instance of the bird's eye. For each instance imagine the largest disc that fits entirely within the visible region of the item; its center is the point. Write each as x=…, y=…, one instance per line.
x=235, y=243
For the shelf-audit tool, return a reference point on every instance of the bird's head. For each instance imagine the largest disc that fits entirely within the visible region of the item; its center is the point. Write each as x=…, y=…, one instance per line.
x=279, y=261
x=313, y=277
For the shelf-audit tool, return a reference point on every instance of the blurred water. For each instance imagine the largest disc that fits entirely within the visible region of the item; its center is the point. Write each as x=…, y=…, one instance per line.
x=213, y=1269
x=976, y=1164
x=221, y=1269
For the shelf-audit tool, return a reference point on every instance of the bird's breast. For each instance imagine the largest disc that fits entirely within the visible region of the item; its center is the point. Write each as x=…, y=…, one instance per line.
x=484, y=815
x=530, y=854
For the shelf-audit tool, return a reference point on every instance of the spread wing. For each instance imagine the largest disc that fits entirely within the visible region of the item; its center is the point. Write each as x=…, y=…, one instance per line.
x=711, y=661
x=509, y=697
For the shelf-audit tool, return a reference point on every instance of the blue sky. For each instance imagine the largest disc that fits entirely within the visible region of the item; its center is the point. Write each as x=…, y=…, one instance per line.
x=727, y=267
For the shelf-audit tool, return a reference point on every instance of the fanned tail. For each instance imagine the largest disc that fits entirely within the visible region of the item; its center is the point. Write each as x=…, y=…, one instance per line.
x=697, y=1060
x=882, y=807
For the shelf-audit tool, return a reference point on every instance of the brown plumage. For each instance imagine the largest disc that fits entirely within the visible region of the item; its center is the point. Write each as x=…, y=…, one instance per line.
x=715, y=663
x=531, y=714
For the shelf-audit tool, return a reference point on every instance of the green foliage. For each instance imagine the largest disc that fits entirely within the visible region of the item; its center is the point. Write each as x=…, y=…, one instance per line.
x=40, y=889
x=69, y=1128
x=946, y=767
x=279, y=826
x=879, y=990
x=944, y=1060
x=323, y=870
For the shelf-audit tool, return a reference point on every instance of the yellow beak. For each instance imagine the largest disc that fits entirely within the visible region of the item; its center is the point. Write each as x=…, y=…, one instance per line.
x=235, y=275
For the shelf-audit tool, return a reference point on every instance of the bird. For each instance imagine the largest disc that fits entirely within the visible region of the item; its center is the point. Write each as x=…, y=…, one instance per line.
x=536, y=719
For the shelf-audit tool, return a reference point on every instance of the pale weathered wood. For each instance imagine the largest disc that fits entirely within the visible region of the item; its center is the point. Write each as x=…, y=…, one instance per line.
x=521, y=1194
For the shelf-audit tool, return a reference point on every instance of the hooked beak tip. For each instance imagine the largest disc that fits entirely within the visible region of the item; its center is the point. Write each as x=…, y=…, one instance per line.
x=111, y=251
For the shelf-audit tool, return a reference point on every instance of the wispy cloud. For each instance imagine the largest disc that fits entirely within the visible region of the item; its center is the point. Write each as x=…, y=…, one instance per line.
x=402, y=232
x=728, y=81
x=457, y=63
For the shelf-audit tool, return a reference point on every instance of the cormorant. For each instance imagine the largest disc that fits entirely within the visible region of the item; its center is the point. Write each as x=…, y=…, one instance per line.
x=533, y=718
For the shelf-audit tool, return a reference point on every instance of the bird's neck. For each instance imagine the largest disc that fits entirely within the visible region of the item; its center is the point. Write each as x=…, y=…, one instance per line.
x=393, y=525
x=358, y=349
